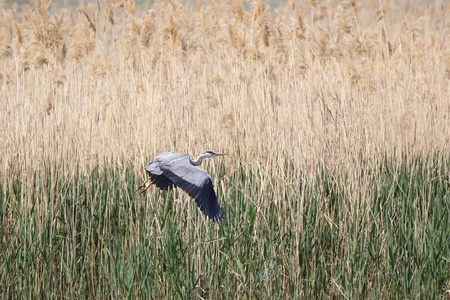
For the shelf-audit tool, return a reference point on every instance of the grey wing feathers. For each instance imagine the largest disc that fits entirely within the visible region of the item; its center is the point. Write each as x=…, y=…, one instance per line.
x=153, y=167
x=156, y=175
x=194, y=181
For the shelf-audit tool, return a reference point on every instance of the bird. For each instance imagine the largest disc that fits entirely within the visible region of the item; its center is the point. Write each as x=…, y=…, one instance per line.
x=170, y=170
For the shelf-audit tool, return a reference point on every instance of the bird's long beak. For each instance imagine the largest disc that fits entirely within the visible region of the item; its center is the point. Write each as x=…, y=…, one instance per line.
x=221, y=154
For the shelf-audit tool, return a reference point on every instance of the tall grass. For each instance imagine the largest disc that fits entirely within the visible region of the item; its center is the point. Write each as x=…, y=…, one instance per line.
x=317, y=84
x=91, y=235
x=335, y=116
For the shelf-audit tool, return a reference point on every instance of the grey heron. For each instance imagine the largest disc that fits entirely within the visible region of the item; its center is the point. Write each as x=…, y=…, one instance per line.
x=170, y=170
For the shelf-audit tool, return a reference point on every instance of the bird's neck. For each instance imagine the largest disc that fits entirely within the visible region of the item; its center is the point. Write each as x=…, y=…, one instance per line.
x=198, y=161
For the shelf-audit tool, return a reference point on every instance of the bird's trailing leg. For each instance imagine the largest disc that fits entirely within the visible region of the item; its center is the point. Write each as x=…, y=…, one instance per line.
x=142, y=187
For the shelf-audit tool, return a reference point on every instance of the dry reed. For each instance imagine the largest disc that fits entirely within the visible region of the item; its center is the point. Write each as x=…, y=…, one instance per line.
x=259, y=84
x=329, y=90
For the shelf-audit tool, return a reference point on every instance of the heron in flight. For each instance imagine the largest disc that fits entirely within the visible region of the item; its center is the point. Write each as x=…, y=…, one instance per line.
x=170, y=170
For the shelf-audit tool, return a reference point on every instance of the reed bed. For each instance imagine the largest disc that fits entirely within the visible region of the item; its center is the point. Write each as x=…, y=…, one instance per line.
x=90, y=235
x=335, y=117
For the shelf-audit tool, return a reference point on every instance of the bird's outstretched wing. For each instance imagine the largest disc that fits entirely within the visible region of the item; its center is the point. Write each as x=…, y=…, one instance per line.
x=194, y=181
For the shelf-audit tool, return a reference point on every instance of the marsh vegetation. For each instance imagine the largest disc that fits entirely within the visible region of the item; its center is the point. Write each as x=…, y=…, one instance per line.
x=335, y=118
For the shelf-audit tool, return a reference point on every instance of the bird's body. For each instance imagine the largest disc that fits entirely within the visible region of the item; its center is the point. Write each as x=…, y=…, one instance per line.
x=170, y=170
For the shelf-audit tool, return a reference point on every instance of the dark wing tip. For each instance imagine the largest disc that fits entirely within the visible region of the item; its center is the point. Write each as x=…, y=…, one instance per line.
x=215, y=216
x=206, y=200
x=219, y=217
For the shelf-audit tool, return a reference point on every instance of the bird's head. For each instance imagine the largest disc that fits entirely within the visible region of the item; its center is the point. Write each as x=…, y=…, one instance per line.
x=207, y=154
x=212, y=154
